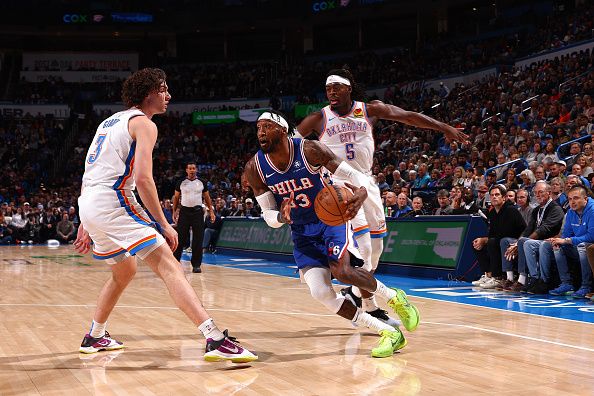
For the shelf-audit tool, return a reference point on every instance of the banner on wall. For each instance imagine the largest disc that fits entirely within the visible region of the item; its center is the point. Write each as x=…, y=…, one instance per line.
x=22, y=110
x=425, y=243
x=214, y=117
x=80, y=61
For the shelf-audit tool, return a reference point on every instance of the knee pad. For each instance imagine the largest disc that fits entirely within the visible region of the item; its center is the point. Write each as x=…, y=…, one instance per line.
x=318, y=281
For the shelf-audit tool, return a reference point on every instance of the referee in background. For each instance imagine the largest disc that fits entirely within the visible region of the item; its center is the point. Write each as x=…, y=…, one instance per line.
x=190, y=194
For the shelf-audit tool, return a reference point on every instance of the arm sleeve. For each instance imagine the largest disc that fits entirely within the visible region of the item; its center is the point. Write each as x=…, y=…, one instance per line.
x=269, y=209
x=358, y=179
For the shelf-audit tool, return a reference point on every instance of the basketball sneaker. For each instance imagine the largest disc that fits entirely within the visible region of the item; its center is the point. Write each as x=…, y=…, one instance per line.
x=94, y=345
x=389, y=342
x=227, y=349
x=408, y=313
x=384, y=317
x=347, y=292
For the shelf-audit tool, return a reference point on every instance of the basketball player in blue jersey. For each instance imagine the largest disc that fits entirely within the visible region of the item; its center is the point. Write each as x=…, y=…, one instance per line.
x=345, y=126
x=119, y=160
x=284, y=175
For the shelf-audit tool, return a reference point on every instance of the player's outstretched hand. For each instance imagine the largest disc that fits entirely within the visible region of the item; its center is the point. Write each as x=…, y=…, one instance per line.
x=354, y=203
x=285, y=210
x=171, y=236
x=82, y=244
x=452, y=134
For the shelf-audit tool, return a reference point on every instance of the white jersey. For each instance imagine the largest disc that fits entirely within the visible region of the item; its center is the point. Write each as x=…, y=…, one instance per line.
x=350, y=137
x=110, y=159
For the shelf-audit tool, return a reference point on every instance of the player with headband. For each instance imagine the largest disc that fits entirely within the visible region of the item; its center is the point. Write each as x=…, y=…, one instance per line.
x=346, y=127
x=285, y=176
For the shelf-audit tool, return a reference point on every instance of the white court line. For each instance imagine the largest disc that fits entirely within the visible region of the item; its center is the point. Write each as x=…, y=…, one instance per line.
x=512, y=335
x=245, y=259
x=501, y=309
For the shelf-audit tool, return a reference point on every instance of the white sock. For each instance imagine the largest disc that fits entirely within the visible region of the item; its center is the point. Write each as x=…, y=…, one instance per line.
x=362, y=318
x=368, y=304
x=522, y=279
x=510, y=276
x=210, y=330
x=97, y=329
x=383, y=291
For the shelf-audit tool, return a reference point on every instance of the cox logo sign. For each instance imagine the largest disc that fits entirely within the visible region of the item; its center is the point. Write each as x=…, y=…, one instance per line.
x=75, y=18
x=329, y=5
x=82, y=18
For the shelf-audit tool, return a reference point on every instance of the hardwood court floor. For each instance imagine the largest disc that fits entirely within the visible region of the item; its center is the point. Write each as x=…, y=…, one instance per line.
x=47, y=299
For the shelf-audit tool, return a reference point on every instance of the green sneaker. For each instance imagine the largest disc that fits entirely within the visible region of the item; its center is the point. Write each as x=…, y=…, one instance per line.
x=408, y=313
x=390, y=342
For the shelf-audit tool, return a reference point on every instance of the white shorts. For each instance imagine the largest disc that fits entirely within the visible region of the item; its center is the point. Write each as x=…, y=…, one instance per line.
x=117, y=224
x=371, y=217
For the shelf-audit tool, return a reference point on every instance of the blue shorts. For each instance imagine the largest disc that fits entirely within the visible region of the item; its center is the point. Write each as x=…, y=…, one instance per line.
x=315, y=244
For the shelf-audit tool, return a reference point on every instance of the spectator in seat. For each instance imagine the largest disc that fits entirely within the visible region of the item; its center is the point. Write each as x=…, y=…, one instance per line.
x=443, y=200
x=544, y=222
x=558, y=190
x=65, y=230
x=402, y=207
x=417, y=208
x=523, y=204
x=250, y=209
x=211, y=231
x=465, y=204
x=576, y=236
x=505, y=222
x=48, y=224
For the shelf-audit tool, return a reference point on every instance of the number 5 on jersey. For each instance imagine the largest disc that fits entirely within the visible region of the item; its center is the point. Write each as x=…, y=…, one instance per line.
x=95, y=154
x=350, y=152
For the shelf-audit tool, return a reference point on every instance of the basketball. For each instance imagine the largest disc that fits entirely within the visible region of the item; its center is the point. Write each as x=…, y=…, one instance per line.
x=329, y=204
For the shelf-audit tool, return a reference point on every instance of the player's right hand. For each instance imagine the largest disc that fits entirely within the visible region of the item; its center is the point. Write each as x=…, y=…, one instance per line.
x=170, y=236
x=354, y=203
x=285, y=209
x=82, y=244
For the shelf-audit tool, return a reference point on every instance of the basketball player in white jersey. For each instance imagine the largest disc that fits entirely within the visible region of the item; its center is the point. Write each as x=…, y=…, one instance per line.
x=346, y=127
x=120, y=159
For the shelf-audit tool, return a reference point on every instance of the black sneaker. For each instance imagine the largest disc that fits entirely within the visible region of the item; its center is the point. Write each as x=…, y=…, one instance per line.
x=384, y=317
x=348, y=293
x=539, y=287
x=529, y=283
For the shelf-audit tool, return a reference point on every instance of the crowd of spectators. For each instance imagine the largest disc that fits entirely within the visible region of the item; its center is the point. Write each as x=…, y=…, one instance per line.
x=418, y=173
x=273, y=78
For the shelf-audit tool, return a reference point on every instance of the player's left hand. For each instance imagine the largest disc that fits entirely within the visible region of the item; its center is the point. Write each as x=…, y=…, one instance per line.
x=285, y=210
x=82, y=244
x=354, y=204
x=452, y=134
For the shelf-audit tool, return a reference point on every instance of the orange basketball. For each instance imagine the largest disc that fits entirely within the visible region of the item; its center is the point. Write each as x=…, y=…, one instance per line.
x=329, y=204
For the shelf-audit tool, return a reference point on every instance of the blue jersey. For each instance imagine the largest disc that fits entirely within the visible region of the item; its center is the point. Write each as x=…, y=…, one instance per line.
x=299, y=177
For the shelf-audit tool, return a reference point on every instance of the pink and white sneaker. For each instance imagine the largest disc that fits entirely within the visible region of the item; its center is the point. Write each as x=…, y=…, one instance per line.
x=227, y=349
x=94, y=345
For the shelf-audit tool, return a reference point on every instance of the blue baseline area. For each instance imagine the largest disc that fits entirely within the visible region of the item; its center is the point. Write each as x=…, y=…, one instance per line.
x=442, y=290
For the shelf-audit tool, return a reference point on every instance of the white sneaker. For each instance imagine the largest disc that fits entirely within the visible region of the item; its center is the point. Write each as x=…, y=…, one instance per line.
x=482, y=279
x=491, y=283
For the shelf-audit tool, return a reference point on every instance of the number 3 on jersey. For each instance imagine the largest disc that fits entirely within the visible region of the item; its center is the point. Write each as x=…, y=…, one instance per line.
x=95, y=154
x=305, y=202
x=350, y=152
